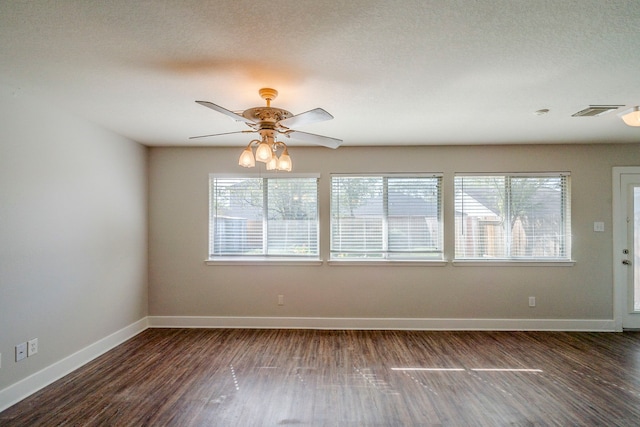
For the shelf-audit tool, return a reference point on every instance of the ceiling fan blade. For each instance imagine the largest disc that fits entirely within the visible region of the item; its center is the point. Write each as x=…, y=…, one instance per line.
x=219, y=134
x=312, y=138
x=219, y=109
x=312, y=116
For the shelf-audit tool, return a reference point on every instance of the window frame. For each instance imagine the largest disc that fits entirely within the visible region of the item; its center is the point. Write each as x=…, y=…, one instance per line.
x=518, y=261
x=263, y=258
x=438, y=260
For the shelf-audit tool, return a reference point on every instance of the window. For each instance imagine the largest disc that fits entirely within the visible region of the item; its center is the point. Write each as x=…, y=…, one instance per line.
x=263, y=217
x=386, y=217
x=513, y=217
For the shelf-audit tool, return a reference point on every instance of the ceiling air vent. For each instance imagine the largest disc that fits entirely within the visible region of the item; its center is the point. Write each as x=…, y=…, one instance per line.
x=596, y=110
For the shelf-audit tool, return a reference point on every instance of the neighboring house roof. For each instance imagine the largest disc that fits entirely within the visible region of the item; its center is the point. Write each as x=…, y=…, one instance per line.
x=478, y=204
x=472, y=207
x=399, y=204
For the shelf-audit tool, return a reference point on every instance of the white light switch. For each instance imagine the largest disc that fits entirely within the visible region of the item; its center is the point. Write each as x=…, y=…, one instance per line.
x=598, y=226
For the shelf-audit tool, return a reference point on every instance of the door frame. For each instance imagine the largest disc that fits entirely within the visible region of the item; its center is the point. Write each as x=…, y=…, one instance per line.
x=620, y=243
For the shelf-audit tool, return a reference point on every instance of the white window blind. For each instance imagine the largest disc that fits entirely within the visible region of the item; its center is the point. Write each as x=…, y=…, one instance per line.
x=386, y=217
x=262, y=217
x=513, y=217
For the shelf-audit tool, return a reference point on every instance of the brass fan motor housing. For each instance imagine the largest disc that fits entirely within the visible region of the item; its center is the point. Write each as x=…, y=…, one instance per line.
x=266, y=116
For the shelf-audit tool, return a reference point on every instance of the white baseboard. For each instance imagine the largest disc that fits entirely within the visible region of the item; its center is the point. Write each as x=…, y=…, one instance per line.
x=24, y=388
x=591, y=325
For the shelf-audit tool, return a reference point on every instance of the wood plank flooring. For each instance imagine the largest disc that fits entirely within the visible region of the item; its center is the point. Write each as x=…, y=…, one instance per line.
x=197, y=377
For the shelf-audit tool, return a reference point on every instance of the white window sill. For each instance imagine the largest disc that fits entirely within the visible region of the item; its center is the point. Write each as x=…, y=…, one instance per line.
x=508, y=263
x=377, y=262
x=264, y=261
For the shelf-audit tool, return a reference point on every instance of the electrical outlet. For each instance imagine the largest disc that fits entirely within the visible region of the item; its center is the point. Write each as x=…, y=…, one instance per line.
x=532, y=301
x=21, y=351
x=32, y=347
x=280, y=299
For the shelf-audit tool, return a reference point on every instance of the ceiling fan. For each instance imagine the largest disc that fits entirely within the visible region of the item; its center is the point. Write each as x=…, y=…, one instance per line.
x=271, y=122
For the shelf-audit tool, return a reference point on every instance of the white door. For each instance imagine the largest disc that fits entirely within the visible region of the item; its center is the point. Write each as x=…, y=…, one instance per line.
x=626, y=256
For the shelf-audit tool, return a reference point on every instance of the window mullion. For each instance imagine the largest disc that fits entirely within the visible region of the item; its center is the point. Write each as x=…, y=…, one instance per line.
x=507, y=215
x=385, y=217
x=265, y=216
x=565, y=218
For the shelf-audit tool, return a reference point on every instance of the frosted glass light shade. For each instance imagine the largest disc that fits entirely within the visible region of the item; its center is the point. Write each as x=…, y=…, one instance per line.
x=284, y=162
x=264, y=152
x=246, y=158
x=273, y=163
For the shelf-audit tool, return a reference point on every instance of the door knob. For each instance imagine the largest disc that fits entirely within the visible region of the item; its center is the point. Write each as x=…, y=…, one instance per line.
x=626, y=262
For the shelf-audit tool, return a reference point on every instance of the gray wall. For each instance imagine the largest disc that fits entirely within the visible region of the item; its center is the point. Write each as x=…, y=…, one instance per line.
x=73, y=233
x=182, y=285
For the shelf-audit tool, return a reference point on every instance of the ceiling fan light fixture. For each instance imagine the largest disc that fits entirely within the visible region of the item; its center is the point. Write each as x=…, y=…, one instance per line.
x=268, y=122
x=247, y=159
x=631, y=117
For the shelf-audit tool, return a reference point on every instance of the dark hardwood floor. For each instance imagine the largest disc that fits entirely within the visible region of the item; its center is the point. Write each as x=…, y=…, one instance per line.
x=195, y=377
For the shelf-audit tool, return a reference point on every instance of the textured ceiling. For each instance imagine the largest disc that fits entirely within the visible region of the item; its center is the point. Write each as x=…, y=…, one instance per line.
x=391, y=72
